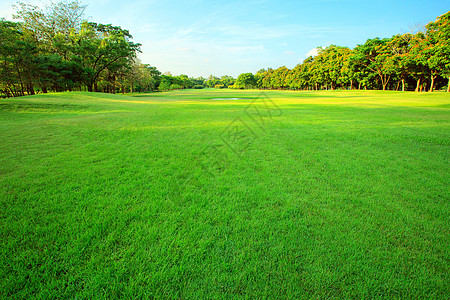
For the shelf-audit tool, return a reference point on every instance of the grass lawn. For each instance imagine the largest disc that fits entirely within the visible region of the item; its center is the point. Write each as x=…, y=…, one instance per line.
x=296, y=195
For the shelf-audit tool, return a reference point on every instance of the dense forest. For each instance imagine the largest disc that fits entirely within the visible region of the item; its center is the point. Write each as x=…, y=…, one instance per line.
x=55, y=49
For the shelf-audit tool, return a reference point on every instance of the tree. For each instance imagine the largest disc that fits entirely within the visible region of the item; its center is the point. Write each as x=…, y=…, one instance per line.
x=227, y=80
x=246, y=80
x=141, y=78
x=18, y=53
x=330, y=64
x=376, y=56
x=403, y=61
x=57, y=74
x=99, y=47
x=166, y=82
x=183, y=81
x=437, y=48
x=263, y=78
x=212, y=81
x=279, y=76
x=418, y=60
x=53, y=49
x=55, y=18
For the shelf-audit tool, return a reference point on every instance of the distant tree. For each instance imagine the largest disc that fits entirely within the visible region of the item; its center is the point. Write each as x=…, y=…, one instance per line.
x=99, y=47
x=330, y=63
x=279, y=76
x=140, y=78
x=212, y=81
x=54, y=49
x=418, y=60
x=182, y=81
x=166, y=82
x=227, y=80
x=198, y=82
x=60, y=18
x=347, y=72
x=437, y=48
x=246, y=80
x=155, y=74
x=57, y=74
x=403, y=61
x=263, y=78
x=258, y=76
x=18, y=58
x=376, y=56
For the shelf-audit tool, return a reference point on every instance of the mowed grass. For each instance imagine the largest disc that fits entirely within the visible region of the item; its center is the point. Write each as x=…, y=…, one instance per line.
x=301, y=195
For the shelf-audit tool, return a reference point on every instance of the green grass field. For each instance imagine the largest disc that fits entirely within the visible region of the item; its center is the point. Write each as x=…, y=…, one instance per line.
x=301, y=195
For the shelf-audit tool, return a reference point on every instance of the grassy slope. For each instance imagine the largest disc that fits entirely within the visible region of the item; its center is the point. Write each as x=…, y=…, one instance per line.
x=332, y=194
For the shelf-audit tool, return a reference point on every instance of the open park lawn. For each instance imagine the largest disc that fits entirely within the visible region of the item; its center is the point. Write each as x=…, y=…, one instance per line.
x=228, y=194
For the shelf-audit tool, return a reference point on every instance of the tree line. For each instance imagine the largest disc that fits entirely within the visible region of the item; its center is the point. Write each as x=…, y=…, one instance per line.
x=53, y=48
x=419, y=62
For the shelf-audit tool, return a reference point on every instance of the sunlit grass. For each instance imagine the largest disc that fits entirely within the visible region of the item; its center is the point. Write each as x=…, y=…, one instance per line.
x=331, y=194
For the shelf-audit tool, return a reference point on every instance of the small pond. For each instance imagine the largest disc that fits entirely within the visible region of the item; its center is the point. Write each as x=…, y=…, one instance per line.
x=228, y=98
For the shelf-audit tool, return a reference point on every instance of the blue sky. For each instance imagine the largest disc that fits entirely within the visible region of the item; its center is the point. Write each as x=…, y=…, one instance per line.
x=200, y=37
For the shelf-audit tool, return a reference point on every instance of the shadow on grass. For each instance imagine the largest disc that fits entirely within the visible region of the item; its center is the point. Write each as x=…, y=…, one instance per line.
x=43, y=107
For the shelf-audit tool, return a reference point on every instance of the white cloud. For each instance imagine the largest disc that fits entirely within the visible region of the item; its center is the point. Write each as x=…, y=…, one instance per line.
x=289, y=52
x=313, y=52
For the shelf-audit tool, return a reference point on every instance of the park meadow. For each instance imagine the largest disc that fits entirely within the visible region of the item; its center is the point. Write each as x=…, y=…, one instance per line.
x=221, y=193
x=311, y=161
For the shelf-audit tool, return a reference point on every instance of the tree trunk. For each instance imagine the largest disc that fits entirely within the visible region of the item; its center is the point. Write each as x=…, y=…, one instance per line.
x=403, y=85
x=20, y=80
x=9, y=92
x=384, y=81
x=30, y=89
x=448, y=86
x=398, y=85
x=432, y=83
x=418, y=85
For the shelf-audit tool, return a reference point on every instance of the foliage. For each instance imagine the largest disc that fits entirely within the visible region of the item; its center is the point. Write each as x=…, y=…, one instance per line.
x=53, y=19
x=245, y=80
x=170, y=82
x=421, y=59
x=224, y=81
x=54, y=49
x=437, y=49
